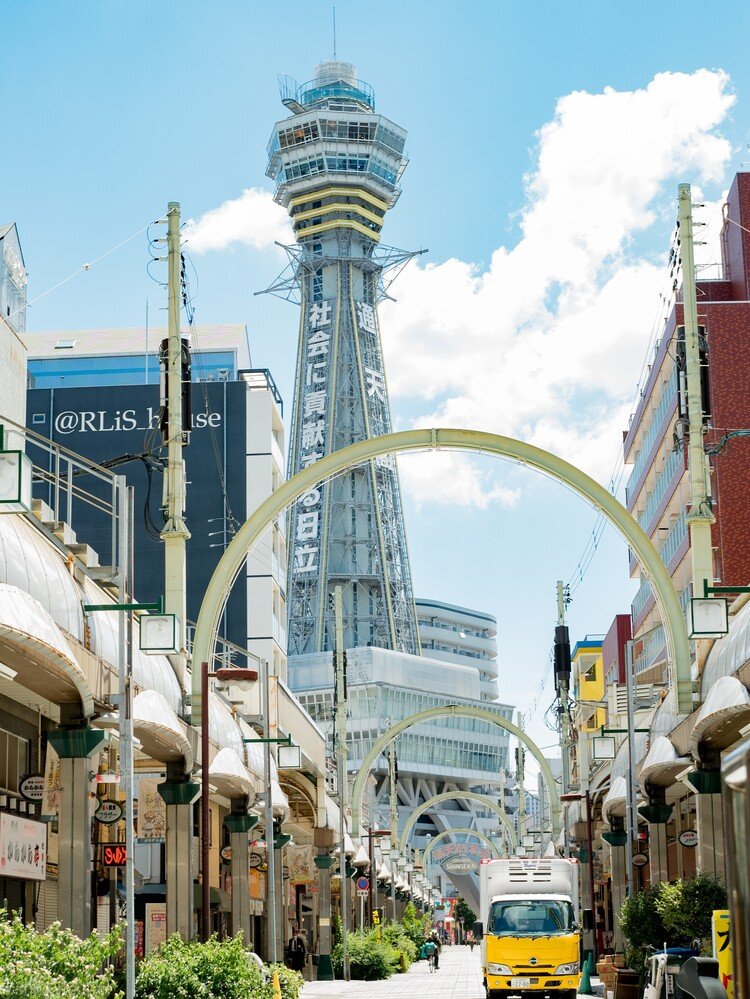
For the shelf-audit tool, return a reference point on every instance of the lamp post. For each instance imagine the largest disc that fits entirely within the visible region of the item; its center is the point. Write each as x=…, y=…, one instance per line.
x=585, y=796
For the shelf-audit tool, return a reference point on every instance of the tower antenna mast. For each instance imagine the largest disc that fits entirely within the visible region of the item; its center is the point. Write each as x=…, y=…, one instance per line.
x=334, y=34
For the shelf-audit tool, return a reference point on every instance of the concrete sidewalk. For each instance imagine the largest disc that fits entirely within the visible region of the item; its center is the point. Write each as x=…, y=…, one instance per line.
x=458, y=977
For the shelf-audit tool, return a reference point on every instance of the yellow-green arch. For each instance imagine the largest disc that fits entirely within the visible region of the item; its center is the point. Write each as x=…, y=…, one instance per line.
x=678, y=649
x=457, y=711
x=436, y=799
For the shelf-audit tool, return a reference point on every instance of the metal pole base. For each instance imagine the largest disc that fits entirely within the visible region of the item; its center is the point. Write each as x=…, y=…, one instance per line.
x=325, y=968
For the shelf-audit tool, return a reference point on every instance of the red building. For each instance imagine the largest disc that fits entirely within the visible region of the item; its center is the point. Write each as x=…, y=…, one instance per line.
x=657, y=492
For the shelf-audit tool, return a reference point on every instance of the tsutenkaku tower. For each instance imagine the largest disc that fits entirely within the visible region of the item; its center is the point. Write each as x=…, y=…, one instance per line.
x=336, y=165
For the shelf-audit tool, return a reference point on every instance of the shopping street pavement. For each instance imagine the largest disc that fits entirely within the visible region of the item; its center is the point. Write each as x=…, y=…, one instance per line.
x=459, y=977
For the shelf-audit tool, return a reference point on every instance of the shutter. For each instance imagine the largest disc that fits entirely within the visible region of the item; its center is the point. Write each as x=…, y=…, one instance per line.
x=47, y=906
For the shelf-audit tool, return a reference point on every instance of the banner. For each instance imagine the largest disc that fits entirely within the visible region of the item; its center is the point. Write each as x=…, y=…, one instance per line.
x=51, y=796
x=23, y=848
x=299, y=860
x=152, y=812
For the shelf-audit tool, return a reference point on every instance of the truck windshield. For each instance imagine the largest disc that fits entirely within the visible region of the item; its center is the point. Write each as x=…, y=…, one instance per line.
x=537, y=918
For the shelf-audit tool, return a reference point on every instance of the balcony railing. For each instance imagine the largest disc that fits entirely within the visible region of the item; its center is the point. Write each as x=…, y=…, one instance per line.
x=666, y=400
x=674, y=539
x=671, y=465
x=654, y=649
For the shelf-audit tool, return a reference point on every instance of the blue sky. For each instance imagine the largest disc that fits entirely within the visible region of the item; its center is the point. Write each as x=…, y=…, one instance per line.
x=111, y=110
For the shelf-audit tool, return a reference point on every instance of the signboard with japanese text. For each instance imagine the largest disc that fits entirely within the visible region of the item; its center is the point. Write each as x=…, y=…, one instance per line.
x=155, y=925
x=23, y=848
x=152, y=812
x=722, y=948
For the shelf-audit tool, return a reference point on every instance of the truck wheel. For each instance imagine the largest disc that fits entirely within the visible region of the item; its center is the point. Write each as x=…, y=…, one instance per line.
x=567, y=994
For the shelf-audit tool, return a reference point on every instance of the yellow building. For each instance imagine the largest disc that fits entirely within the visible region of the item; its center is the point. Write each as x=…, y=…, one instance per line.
x=588, y=683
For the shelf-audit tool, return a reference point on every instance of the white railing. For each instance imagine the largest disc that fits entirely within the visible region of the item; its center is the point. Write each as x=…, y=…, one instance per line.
x=654, y=649
x=666, y=400
x=671, y=465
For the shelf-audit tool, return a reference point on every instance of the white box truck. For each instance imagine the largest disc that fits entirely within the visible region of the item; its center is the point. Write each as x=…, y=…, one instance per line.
x=528, y=926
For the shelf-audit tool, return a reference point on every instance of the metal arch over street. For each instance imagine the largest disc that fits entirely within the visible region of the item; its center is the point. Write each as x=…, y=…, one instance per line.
x=457, y=711
x=458, y=831
x=483, y=799
x=678, y=649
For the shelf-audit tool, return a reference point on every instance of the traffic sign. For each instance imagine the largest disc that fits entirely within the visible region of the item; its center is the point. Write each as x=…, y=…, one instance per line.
x=363, y=884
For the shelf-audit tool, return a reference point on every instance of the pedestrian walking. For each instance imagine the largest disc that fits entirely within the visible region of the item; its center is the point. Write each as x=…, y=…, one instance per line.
x=297, y=951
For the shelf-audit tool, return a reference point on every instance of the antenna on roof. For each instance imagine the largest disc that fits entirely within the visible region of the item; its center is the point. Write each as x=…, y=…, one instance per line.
x=334, y=34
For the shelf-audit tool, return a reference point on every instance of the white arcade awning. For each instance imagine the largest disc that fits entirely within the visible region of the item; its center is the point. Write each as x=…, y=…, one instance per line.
x=725, y=710
x=230, y=777
x=161, y=733
x=33, y=645
x=662, y=764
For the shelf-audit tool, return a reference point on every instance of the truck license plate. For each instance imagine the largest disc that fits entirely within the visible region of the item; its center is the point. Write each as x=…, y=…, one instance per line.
x=520, y=983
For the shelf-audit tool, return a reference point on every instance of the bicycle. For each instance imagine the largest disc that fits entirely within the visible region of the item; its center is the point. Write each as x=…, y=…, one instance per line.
x=431, y=962
x=664, y=966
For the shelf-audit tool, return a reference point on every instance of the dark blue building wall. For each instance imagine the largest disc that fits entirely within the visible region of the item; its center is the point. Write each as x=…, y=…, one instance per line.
x=106, y=423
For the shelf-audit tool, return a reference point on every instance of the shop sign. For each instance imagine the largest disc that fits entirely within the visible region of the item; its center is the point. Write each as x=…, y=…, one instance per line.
x=722, y=948
x=114, y=855
x=688, y=837
x=256, y=860
x=108, y=811
x=31, y=787
x=156, y=925
x=226, y=853
x=640, y=859
x=23, y=848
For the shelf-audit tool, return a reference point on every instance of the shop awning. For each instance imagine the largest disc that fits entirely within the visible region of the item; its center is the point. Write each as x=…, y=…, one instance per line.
x=662, y=764
x=724, y=712
x=229, y=775
x=615, y=799
x=33, y=645
x=161, y=733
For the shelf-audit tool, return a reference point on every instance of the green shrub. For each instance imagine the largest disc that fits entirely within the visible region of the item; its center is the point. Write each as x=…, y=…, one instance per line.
x=55, y=964
x=404, y=947
x=179, y=970
x=675, y=913
x=686, y=907
x=370, y=959
x=291, y=982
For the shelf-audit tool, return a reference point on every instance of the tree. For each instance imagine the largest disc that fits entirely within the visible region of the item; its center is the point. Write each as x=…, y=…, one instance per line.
x=464, y=912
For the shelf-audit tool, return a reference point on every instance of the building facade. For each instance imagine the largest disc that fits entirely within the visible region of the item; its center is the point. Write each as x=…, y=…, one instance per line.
x=97, y=392
x=657, y=491
x=461, y=636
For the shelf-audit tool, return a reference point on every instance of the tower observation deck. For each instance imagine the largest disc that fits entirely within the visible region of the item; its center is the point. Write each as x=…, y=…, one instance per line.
x=336, y=165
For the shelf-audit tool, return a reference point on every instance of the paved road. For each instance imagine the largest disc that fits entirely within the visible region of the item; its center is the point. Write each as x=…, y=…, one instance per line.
x=459, y=977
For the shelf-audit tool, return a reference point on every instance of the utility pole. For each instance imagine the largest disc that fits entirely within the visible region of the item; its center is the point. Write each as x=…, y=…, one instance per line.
x=125, y=671
x=632, y=817
x=394, y=822
x=175, y=533
x=341, y=769
x=562, y=682
x=700, y=517
x=270, y=851
x=521, y=776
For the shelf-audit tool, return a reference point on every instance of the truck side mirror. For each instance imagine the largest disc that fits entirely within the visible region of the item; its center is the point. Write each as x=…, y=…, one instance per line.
x=478, y=930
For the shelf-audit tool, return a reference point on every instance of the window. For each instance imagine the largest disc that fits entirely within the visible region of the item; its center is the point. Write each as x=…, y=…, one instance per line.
x=65, y=344
x=14, y=760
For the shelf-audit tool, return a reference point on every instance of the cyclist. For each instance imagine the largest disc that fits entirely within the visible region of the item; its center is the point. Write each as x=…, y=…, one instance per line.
x=429, y=951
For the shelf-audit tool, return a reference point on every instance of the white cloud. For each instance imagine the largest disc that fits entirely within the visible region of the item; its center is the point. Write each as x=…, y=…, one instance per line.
x=447, y=477
x=253, y=219
x=547, y=343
